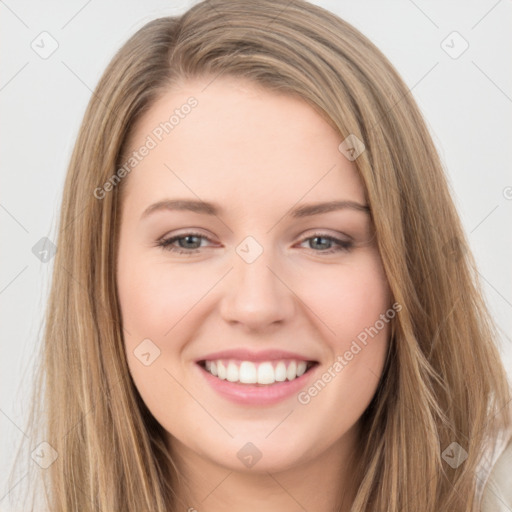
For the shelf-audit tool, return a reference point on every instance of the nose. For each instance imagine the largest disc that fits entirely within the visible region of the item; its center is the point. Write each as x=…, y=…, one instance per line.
x=256, y=295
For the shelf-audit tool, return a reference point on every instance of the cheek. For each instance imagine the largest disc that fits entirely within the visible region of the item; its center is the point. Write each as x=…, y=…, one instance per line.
x=154, y=297
x=349, y=299
x=154, y=301
x=162, y=303
x=354, y=302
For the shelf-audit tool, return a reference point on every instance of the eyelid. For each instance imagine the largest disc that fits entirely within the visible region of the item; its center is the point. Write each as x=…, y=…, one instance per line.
x=186, y=232
x=170, y=238
x=327, y=233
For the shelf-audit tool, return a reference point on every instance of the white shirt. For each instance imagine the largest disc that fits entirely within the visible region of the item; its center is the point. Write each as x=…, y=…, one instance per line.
x=497, y=493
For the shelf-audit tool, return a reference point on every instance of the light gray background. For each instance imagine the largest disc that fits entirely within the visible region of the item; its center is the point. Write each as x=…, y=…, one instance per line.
x=467, y=102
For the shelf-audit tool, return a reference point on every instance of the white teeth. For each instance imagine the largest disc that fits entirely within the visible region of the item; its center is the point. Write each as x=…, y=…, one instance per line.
x=221, y=370
x=232, y=373
x=266, y=374
x=291, y=372
x=280, y=372
x=248, y=372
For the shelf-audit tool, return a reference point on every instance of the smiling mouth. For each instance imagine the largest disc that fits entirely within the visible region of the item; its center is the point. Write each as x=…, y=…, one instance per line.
x=262, y=373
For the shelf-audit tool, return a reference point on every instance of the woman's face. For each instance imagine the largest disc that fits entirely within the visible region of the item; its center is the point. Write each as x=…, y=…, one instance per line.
x=228, y=262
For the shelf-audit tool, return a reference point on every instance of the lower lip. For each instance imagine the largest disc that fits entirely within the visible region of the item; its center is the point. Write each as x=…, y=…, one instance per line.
x=248, y=394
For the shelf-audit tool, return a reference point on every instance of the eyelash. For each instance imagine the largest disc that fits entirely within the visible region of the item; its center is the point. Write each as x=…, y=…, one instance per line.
x=165, y=243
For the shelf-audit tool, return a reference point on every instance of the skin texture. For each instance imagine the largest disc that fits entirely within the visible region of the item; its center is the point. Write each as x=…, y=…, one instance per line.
x=256, y=154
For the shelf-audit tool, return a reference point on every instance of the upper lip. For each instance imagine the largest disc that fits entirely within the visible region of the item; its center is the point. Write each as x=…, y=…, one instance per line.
x=243, y=354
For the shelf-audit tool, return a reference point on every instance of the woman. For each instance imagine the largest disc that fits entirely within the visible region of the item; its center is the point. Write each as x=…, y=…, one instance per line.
x=259, y=367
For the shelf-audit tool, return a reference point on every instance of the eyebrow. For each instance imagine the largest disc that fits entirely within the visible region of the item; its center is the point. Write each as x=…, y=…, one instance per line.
x=206, y=208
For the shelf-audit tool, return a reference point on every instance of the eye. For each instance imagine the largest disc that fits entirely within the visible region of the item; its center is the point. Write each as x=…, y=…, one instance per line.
x=188, y=243
x=322, y=240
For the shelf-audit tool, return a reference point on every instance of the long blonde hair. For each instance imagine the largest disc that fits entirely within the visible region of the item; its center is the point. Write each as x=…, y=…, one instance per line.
x=443, y=382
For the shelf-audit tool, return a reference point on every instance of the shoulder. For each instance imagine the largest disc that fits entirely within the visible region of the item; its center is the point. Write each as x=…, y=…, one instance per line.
x=497, y=494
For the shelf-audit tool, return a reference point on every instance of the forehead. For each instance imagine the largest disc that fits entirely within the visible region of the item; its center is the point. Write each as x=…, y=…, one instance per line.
x=239, y=143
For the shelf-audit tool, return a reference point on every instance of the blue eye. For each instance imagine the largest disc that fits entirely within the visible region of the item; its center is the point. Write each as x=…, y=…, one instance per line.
x=190, y=243
x=339, y=245
x=185, y=248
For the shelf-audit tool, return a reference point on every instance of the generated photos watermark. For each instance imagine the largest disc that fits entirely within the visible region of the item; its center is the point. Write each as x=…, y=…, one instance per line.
x=357, y=345
x=152, y=140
